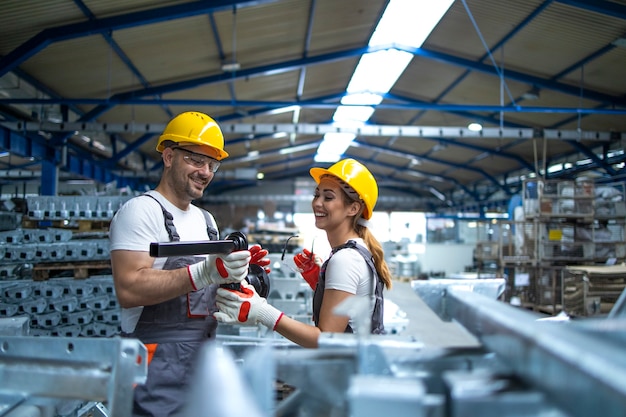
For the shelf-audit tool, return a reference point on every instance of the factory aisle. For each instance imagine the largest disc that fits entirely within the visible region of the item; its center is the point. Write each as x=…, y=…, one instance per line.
x=424, y=324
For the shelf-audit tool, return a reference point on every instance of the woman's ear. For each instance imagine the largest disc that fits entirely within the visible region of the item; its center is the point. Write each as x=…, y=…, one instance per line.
x=355, y=208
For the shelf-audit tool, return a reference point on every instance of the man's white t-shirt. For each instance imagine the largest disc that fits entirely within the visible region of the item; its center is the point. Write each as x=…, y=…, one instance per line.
x=140, y=221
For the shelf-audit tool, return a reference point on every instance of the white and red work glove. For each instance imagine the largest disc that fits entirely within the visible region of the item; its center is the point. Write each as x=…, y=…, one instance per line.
x=220, y=269
x=245, y=306
x=259, y=257
x=309, y=265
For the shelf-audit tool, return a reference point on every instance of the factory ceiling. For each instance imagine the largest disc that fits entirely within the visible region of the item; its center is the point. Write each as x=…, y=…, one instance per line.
x=87, y=86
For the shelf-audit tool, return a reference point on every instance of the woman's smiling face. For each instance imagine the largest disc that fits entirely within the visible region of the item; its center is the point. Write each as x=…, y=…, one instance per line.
x=330, y=205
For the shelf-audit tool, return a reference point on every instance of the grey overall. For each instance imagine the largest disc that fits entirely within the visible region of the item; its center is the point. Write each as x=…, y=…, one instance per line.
x=378, y=326
x=173, y=331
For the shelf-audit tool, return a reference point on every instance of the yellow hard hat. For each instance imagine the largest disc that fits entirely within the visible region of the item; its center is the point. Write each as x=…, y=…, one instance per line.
x=357, y=176
x=194, y=128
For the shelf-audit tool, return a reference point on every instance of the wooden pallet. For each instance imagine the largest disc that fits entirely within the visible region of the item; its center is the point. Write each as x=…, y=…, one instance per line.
x=79, y=269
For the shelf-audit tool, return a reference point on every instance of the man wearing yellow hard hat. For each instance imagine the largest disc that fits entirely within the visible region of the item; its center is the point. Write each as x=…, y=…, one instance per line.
x=168, y=303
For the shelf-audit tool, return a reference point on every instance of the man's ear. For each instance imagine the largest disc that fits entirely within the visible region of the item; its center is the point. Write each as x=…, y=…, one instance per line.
x=167, y=155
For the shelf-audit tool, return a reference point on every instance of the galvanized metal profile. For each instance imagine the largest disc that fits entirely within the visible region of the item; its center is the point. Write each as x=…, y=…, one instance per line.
x=580, y=371
x=72, y=368
x=322, y=129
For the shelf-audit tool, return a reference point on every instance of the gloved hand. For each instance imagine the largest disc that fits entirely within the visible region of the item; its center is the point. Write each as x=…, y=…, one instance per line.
x=309, y=265
x=259, y=257
x=219, y=269
x=245, y=307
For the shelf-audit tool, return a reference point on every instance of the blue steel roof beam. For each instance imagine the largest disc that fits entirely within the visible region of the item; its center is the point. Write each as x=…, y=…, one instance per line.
x=118, y=51
x=474, y=117
x=124, y=98
x=469, y=115
x=114, y=45
x=575, y=66
x=599, y=6
x=592, y=155
x=371, y=162
x=219, y=45
x=497, y=152
x=307, y=45
x=118, y=156
x=513, y=75
x=317, y=104
x=304, y=171
x=133, y=97
x=27, y=145
x=577, y=169
x=415, y=186
x=41, y=87
x=308, y=157
x=571, y=172
x=498, y=44
x=439, y=161
x=216, y=36
x=34, y=146
x=21, y=166
x=108, y=24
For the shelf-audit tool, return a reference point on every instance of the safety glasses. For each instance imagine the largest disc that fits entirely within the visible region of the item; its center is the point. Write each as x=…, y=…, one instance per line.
x=197, y=160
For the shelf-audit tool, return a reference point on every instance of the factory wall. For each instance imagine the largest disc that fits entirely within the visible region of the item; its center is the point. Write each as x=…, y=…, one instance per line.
x=448, y=258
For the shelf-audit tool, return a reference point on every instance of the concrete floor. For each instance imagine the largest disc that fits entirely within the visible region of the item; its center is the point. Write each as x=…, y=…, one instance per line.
x=424, y=325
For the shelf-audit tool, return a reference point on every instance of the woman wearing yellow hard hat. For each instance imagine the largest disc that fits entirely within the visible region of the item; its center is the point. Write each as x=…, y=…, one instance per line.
x=343, y=203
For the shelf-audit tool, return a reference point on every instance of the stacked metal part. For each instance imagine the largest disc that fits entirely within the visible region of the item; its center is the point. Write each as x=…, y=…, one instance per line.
x=63, y=306
x=67, y=376
x=74, y=207
x=22, y=248
x=68, y=304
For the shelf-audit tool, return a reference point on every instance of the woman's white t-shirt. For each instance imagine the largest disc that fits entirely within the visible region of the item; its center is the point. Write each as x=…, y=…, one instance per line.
x=347, y=271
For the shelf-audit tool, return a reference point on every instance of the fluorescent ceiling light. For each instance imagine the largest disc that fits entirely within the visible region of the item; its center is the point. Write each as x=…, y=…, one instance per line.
x=409, y=22
x=285, y=109
x=298, y=148
x=404, y=22
x=365, y=99
x=475, y=127
x=437, y=193
x=353, y=113
x=555, y=168
x=333, y=146
x=378, y=71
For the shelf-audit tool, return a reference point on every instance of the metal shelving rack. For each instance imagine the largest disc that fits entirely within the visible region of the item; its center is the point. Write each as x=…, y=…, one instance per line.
x=564, y=223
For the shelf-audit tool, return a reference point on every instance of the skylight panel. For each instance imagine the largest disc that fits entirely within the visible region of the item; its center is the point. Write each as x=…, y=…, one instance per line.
x=333, y=146
x=409, y=22
x=353, y=114
x=378, y=71
x=404, y=22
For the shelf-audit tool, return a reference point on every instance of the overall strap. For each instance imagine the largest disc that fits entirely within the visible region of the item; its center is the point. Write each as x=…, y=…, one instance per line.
x=211, y=228
x=169, y=221
x=364, y=253
x=171, y=229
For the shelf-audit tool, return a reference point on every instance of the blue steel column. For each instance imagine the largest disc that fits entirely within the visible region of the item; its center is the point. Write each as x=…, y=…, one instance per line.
x=49, y=178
